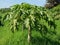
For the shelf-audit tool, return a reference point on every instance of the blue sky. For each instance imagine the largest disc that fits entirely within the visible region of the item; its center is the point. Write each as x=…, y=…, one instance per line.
x=8, y=3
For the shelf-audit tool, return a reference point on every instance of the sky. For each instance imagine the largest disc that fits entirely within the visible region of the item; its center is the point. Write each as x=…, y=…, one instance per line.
x=8, y=3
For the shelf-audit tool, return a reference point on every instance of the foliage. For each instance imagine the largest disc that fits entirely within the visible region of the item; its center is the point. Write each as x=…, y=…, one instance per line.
x=39, y=20
x=30, y=15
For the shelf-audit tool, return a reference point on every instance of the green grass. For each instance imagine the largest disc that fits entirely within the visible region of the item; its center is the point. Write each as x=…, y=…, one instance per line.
x=20, y=38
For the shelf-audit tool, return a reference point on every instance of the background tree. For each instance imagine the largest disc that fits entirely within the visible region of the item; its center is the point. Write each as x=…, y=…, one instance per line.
x=52, y=3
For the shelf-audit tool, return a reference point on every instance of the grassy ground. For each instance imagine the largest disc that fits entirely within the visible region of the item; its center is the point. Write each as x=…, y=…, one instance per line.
x=20, y=38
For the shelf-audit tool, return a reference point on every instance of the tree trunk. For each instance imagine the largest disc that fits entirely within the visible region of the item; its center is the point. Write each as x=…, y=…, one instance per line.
x=22, y=27
x=15, y=22
x=29, y=35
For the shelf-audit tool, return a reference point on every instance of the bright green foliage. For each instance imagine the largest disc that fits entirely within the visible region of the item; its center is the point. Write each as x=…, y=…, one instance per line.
x=56, y=12
x=29, y=15
x=38, y=20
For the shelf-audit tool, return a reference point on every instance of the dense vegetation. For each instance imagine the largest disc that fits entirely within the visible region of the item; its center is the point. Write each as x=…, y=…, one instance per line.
x=27, y=24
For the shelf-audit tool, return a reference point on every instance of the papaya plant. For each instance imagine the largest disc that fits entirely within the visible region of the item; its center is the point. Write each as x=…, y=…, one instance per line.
x=31, y=17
